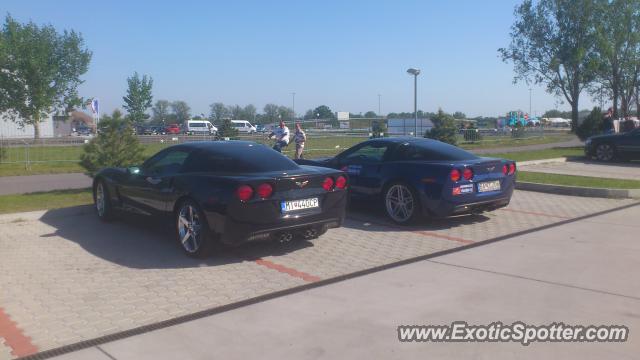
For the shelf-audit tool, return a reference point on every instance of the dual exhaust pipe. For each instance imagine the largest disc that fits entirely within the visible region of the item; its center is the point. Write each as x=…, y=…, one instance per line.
x=285, y=237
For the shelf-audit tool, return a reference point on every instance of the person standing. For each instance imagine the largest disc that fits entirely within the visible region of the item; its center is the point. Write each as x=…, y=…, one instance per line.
x=607, y=122
x=281, y=135
x=299, y=137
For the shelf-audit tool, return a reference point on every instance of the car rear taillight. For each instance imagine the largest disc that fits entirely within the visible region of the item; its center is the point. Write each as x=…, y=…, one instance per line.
x=512, y=168
x=244, y=192
x=264, y=190
x=467, y=174
x=341, y=182
x=505, y=169
x=327, y=184
x=455, y=175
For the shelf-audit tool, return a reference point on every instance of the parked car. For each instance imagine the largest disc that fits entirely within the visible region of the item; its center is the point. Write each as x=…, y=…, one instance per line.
x=200, y=127
x=173, y=129
x=230, y=192
x=243, y=126
x=614, y=146
x=263, y=129
x=83, y=131
x=415, y=177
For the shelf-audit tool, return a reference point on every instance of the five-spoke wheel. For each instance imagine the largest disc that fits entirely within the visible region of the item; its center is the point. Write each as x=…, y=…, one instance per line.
x=605, y=152
x=192, y=230
x=401, y=203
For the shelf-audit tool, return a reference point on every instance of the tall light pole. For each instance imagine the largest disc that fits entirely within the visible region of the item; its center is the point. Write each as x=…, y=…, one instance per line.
x=379, y=112
x=530, y=90
x=415, y=73
x=294, y=106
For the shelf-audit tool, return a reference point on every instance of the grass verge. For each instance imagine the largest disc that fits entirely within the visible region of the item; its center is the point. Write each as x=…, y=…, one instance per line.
x=44, y=200
x=573, y=180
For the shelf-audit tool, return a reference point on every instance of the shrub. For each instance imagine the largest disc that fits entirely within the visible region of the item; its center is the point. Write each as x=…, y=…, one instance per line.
x=226, y=129
x=378, y=127
x=114, y=146
x=444, y=128
x=592, y=124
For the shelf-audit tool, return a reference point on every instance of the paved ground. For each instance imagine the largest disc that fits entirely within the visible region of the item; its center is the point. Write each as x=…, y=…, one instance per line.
x=563, y=274
x=629, y=170
x=34, y=183
x=66, y=277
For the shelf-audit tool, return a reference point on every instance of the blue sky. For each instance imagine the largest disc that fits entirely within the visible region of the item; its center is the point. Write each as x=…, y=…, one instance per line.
x=339, y=53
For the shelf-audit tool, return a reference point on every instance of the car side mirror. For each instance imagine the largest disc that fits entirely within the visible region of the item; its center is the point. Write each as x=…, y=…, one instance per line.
x=134, y=170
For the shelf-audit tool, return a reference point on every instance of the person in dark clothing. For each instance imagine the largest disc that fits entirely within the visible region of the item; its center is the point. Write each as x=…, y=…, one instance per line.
x=607, y=122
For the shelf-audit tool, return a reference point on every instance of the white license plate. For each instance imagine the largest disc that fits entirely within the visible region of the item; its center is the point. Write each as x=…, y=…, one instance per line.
x=294, y=205
x=489, y=186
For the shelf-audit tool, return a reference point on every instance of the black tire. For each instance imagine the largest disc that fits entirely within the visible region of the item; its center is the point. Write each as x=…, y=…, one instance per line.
x=605, y=152
x=102, y=201
x=192, y=230
x=406, y=213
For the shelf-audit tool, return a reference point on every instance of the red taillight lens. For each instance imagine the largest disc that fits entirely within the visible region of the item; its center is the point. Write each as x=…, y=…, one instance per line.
x=467, y=174
x=327, y=184
x=512, y=168
x=455, y=175
x=505, y=169
x=244, y=192
x=341, y=182
x=264, y=190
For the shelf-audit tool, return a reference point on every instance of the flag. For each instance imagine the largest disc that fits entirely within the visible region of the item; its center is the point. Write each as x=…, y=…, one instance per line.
x=94, y=106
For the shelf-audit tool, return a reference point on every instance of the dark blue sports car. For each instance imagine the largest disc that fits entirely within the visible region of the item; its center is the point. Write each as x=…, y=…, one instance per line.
x=415, y=177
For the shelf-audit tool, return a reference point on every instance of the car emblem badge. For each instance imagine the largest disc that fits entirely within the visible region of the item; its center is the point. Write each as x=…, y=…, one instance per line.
x=302, y=184
x=491, y=168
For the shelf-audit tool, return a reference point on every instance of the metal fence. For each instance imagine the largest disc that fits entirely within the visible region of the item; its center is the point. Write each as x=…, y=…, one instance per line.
x=26, y=152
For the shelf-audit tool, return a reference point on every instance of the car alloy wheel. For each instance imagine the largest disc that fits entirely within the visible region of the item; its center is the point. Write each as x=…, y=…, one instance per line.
x=604, y=152
x=400, y=203
x=100, y=200
x=189, y=228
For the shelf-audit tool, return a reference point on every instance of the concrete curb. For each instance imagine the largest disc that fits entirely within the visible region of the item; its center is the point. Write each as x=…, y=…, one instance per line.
x=542, y=161
x=579, y=191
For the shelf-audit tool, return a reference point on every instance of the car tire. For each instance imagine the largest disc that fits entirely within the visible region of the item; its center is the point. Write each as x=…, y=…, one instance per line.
x=102, y=201
x=192, y=230
x=605, y=152
x=401, y=203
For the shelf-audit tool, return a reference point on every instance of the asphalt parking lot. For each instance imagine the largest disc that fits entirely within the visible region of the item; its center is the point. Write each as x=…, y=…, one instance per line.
x=67, y=278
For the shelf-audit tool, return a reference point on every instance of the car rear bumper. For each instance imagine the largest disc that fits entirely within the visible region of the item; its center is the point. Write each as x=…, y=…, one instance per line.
x=471, y=204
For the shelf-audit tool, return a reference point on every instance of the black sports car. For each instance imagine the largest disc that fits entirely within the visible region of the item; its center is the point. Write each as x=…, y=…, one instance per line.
x=415, y=176
x=226, y=191
x=614, y=146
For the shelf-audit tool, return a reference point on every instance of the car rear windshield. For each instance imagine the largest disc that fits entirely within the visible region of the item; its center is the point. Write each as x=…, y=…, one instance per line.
x=238, y=159
x=433, y=151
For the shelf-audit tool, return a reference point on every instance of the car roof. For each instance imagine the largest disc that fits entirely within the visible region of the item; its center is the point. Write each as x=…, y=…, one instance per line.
x=403, y=139
x=228, y=145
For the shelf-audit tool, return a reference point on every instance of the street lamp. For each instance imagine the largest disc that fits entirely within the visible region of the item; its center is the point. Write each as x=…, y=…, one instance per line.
x=415, y=73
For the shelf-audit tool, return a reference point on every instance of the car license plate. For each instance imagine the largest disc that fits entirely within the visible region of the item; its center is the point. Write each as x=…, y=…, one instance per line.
x=489, y=186
x=294, y=205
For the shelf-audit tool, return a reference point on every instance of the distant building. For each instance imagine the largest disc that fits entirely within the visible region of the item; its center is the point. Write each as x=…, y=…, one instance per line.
x=408, y=126
x=11, y=130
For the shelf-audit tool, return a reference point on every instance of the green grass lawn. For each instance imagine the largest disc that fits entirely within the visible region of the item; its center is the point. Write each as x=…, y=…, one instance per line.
x=540, y=154
x=573, y=180
x=64, y=159
x=44, y=200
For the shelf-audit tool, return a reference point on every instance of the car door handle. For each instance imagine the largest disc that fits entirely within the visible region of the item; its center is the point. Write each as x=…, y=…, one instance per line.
x=153, y=181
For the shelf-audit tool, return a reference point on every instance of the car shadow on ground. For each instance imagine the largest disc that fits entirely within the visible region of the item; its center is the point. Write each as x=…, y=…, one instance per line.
x=144, y=243
x=363, y=214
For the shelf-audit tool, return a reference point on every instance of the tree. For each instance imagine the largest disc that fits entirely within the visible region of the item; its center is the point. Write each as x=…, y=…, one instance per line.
x=285, y=113
x=226, y=129
x=40, y=70
x=592, y=124
x=250, y=112
x=370, y=114
x=236, y=112
x=218, y=111
x=161, y=111
x=115, y=146
x=270, y=113
x=553, y=43
x=139, y=98
x=444, y=128
x=618, y=49
x=459, y=115
x=181, y=110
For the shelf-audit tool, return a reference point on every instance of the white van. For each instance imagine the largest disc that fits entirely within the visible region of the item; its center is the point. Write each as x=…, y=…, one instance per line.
x=243, y=126
x=200, y=127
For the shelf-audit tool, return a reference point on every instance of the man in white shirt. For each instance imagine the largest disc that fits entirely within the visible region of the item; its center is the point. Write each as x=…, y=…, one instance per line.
x=282, y=137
